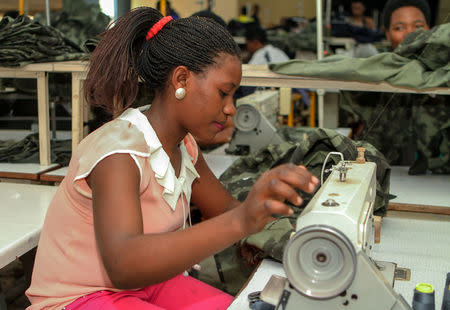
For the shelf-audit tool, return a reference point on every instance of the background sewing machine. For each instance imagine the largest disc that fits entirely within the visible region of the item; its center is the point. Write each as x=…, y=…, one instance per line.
x=327, y=262
x=256, y=122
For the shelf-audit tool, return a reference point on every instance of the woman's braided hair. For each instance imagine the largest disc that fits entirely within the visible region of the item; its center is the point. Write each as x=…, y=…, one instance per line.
x=123, y=56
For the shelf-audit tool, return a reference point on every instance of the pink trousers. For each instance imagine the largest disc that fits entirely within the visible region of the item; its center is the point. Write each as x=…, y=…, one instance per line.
x=178, y=293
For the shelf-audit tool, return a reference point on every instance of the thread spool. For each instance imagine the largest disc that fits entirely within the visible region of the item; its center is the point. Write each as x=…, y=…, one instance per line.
x=423, y=297
x=361, y=159
x=446, y=298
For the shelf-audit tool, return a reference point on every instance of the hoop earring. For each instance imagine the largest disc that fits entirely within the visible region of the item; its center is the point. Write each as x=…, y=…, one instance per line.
x=180, y=93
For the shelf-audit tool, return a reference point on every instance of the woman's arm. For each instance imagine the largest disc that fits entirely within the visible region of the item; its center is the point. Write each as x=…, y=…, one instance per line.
x=133, y=259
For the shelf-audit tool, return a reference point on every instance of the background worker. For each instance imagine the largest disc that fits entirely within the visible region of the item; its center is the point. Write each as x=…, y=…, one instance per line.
x=358, y=18
x=409, y=129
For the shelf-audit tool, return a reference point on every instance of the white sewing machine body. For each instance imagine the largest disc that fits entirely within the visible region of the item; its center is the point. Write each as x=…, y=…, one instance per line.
x=346, y=206
x=327, y=260
x=255, y=122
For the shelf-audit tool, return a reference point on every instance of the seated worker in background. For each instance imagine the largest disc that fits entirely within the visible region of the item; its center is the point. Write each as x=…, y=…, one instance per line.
x=363, y=30
x=401, y=17
x=358, y=18
x=409, y=129
x=261, y=51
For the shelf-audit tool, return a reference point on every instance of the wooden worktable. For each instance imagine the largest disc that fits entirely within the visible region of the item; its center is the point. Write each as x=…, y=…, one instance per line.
x=260, y=75
x=252, y=75
x=40, y=72
x=405, y=241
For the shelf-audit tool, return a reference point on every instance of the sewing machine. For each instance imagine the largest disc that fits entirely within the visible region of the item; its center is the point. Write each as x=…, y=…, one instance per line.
x=255, y=122
x=327, y=261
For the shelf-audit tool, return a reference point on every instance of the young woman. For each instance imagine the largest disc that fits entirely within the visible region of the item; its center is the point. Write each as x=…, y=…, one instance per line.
x=115, y=235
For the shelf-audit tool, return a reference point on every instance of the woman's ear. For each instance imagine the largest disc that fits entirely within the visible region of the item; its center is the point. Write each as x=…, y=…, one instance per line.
x=179, y=77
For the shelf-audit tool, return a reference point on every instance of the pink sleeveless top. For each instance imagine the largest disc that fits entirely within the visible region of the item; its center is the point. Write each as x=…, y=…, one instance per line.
x=68, y=264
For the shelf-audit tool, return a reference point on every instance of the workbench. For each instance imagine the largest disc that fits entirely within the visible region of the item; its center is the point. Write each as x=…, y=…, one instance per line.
x=416, y=240
x=24, y=171
x=40, y=72
x=22, y=212
x=252, y=75
x=405, y=240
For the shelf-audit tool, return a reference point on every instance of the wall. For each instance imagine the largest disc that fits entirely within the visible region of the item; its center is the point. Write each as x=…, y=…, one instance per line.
x=271, y=12
x=30, y=6
x=227, y=9
x=309, y=8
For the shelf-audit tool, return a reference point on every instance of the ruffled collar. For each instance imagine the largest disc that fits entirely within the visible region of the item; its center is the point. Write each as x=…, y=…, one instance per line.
x=160, y=161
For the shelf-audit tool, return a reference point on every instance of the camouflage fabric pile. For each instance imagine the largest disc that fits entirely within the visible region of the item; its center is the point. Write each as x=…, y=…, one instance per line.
x=306, y=146
x=27, y=150
x=409, y=129
x=431, y=48
x=24, y=41
x=79, y=21
x=291, y=42
x=422, y=61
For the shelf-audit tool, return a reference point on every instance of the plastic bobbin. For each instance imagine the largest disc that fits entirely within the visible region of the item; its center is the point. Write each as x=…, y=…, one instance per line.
x=423, y=298
x=361, y=159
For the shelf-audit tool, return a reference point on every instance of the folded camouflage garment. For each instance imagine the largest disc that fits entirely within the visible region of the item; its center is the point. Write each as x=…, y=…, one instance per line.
x=421, y=61
x=79, y=21
x=24, y=41
x=27, y=150
x=409, y=129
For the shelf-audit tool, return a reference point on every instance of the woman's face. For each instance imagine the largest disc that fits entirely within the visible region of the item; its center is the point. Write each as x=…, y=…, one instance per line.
x=209, y=97
x=404, y=21
x=358, y=9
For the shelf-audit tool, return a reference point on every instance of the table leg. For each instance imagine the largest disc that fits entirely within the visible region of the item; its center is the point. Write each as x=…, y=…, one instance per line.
x=43, y=118
x=77, y=109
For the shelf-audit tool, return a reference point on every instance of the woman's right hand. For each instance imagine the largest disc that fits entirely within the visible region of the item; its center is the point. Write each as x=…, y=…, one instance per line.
x=269, y=192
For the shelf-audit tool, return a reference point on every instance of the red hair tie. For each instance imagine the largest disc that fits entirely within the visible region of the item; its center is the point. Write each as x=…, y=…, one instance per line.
x=157, y=27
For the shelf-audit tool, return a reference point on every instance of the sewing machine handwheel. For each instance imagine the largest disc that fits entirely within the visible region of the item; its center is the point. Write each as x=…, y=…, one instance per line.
x=320, y=262
x=247, y=117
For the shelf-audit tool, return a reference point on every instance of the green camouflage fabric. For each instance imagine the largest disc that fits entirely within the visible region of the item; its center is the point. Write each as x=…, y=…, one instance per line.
x=291, y=42
x=24, y=41
x=431, y=123
x=409, y=129
x=78, y=21
x=27, y=150
x=306, y=146
x=431, y=48
x=401, y=68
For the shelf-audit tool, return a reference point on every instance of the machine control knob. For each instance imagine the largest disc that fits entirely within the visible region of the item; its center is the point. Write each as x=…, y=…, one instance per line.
x=330, y=203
